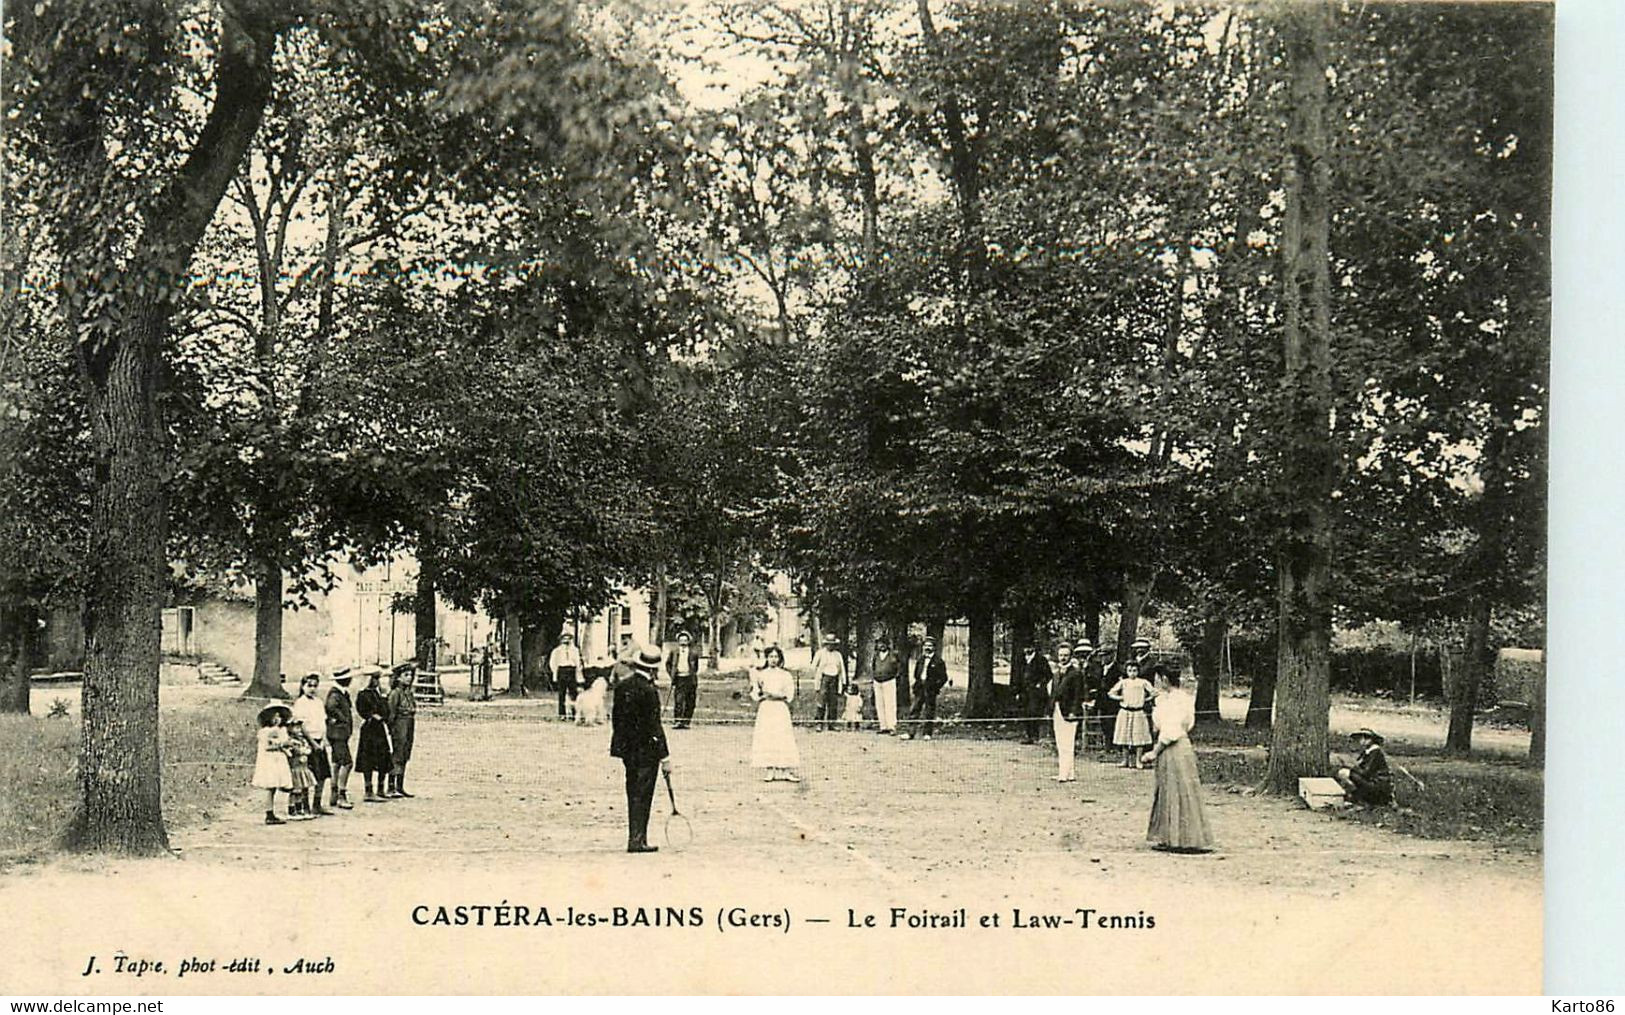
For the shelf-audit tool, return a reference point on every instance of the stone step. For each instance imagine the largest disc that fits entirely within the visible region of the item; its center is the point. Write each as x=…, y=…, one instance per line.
x=214, y=673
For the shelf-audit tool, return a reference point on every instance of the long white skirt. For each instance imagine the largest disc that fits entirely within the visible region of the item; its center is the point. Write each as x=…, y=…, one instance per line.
x=773, y=744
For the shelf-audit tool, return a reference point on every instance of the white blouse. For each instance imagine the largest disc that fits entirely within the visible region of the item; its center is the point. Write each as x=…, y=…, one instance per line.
x=1174, y=715
x=776, y=681
x=313, y=712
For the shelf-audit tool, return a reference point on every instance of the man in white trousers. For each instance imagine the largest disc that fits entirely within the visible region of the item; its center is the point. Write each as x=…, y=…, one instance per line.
x=887, y=666
x=1066, y=710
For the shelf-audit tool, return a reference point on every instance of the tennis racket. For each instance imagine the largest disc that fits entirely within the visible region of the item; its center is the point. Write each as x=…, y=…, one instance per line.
x=679, y=832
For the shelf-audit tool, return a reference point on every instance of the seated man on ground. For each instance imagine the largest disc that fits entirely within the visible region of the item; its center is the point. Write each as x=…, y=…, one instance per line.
x=1367, y=780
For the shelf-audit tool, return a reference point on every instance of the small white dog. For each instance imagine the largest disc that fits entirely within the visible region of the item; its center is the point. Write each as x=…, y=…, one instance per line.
x=590, y=703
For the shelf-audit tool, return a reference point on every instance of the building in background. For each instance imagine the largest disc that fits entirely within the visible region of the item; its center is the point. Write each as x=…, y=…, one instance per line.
x=353, y=623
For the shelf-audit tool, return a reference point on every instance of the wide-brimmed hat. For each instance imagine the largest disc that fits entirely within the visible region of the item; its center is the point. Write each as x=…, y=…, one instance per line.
x=343, y=676
x=683, y=636
x=648, y=658
x=402, y=668
x=270, y=710
x=1366, y=731
x=831, y=639
x=1084, y=645
x=1142, y=643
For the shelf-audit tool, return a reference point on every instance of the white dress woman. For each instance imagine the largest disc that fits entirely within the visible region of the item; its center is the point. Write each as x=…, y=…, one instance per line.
x=773, y=743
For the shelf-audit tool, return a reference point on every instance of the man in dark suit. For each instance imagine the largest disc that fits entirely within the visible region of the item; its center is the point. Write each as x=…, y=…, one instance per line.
x=639, y=741
x=1094, y=686
x=683, y=670
x=930, y=677
x=1033, y=693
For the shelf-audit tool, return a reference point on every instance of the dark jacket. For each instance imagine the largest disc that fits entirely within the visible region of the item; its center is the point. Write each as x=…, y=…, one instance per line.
x=886, y=667
x=402, y=703
x=1372, y=770
x=340, y=715
x=1067, y=692
x=370, y=703
x=636, y=731
x=693, y=673
x=1094, y=680
x=930, y=675
x=1038, y=675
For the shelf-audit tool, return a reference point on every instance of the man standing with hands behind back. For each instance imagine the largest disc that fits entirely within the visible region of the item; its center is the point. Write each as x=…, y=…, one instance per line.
x=1034, y=692
x=638, y=740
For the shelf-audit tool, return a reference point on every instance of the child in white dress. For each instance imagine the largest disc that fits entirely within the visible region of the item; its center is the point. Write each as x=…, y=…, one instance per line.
x=852, y=714
x=1133, y=693
x=271, y=771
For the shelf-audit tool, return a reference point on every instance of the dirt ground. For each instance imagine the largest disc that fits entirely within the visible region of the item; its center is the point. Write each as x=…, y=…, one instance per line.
x=515, y=808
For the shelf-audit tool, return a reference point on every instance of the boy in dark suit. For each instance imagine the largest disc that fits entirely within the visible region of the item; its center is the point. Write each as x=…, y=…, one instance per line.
x=340, y=727
x=639, y=741
x=1368, y=780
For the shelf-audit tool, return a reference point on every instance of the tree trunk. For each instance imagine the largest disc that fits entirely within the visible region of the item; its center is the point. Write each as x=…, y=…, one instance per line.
x=1022, y=634
x=815, y=624
x=1298, y=742
x=532, y=640
x=865, y=651
x=657, y=629
x=1206, y=662
x=19, y=626
x=267, y=679
x=898, y=628
x=120, y=365
x=1488, y=559
x=846, y=72
x=425, y=623
x=514, y=628
x=1091, y=623
x=1458, y=740
x=1136, y=591
x=1261, y=701
x=1537, y=720
x=538, y=638
x=979, y=696
x=963, y=167
x=119, y=775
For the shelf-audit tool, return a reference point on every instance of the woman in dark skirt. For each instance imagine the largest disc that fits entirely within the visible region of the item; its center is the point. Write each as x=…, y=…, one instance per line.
x=372, y=756
x=1178, y=822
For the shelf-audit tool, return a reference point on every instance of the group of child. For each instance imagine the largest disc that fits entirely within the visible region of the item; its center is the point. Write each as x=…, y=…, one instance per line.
x=299, y=749
x=282, y=762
